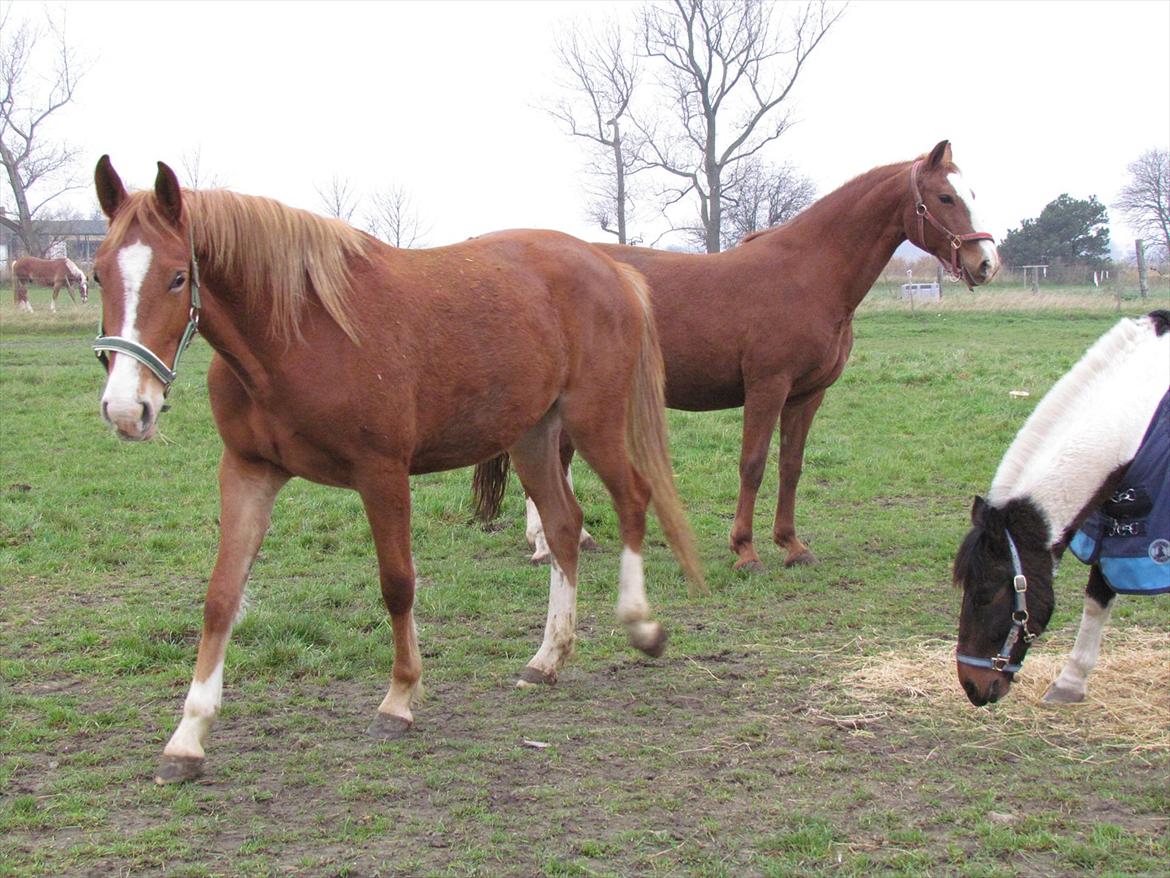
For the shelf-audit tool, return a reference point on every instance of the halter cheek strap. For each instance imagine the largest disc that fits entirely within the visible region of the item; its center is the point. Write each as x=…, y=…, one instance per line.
x=956, y=241
x=140, y=352
x=1002, y=661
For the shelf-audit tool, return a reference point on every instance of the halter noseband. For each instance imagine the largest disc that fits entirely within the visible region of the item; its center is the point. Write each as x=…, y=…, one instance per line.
x=956, y=241
x=143, y=354
x=1003, y=661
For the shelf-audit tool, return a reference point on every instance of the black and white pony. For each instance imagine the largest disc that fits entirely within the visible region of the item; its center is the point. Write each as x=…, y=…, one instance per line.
x=1071, y=459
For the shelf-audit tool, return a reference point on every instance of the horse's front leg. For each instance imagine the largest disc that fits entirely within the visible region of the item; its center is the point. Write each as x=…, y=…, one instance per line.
x=795, y=421
x=386, y=495
x=761, y=408
x=1070, y=686
x=247, y=491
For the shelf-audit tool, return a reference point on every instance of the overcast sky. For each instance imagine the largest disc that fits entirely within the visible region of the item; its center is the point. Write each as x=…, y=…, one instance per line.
x=444, y=98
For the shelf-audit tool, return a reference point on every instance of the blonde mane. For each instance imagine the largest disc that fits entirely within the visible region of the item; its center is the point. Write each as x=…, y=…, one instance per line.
x=270, y=250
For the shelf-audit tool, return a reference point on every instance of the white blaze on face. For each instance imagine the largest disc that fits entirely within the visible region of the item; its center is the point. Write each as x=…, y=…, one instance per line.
x=123, y=397
x=967, y=199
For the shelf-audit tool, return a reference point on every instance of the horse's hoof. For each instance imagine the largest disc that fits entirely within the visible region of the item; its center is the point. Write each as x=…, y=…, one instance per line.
x=178, y=769
x=650, y=637
x=800, y=559
x=588, y=544
x=531, y=676
x=1060, y=695
x=748, y=565
x=388, y=727
x=539, y=558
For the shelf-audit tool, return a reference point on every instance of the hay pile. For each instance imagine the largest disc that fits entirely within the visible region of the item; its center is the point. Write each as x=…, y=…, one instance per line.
x=1127, y=705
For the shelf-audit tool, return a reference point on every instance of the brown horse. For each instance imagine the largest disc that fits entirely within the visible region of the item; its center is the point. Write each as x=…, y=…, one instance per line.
x=767, y=325
x=46, y=272
x=461, y=352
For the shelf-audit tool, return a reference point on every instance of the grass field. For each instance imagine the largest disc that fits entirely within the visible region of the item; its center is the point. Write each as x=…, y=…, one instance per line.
x=743, y=751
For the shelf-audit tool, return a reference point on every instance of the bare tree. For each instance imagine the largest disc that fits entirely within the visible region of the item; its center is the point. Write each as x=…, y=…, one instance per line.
x=761, y=196
x=195, y=176
x=39, y=74
x=338, y=198
x=728, y=71
x=1145, y=200
x=394, y=218
x=601, y=74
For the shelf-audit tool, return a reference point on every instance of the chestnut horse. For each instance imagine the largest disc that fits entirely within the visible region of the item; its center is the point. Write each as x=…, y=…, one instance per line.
x=767, y=325
x=47, y=272
x=461, y=352
x=1070, y=457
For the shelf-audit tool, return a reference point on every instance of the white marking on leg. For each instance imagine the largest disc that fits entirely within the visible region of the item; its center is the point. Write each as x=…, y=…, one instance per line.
x=1086, y=650
x=534, y=533
x=560, y=628
x=400, y=698
x=586, y=539
x=199, y=712
x=633, y=611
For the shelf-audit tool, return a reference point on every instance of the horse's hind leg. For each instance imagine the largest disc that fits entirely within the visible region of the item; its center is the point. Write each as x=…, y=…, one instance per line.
x=247, y=493
x=600, y=439
x=1070, y=686
x=534, y=528
x=538, y=465
x=387, y=500
x=20, y=293
x=795, y=421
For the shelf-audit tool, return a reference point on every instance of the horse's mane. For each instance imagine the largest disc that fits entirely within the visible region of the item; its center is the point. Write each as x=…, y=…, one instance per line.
x=844, y=194
x=269, y=249
x=1076, y=390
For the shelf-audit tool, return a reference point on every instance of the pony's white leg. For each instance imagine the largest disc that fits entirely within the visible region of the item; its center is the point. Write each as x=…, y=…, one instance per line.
x=560, y=630
x=26, y=306
x=1069, y=687
x=633, y=610
x=534, y=529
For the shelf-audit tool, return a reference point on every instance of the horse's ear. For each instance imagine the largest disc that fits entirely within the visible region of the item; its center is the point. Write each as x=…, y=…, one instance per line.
x=940, y=155
x=978, y=509
x=110, y=191
x=168, y=193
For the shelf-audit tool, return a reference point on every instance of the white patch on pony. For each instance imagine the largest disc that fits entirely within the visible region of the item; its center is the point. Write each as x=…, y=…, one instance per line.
x=1083, y=658
x=632, y=610
x=199, y=712
x=1090, y=423
x=122, y=400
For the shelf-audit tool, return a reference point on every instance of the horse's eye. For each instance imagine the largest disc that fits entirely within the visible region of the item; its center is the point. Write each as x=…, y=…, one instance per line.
x=177, y=283
x=946, y=199
x=96, y=279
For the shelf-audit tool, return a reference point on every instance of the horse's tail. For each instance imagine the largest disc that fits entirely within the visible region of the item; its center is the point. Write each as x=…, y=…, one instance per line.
x=646, y=438
x=488, y=485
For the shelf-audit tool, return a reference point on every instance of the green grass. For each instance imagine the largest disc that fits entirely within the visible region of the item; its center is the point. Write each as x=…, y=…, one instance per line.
x=712, y=761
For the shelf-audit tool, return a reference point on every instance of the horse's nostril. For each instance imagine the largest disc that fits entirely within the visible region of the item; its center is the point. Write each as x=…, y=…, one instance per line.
x=105, y=410
x=146, y=411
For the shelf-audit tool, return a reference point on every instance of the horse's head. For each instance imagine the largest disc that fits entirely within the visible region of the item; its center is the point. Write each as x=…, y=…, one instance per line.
x=1004, y=567
x=144, y=268
x=941, y=220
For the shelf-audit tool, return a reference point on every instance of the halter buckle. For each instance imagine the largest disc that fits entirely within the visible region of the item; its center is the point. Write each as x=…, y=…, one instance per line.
x=999, y=662
x=1020, y=583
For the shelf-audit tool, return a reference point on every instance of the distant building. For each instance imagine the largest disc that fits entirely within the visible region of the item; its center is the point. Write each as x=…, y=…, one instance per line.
x=79, y=238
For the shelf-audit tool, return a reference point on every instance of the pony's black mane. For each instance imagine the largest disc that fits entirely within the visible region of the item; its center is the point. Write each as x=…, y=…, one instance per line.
x=1161, y=320
x=983, y=562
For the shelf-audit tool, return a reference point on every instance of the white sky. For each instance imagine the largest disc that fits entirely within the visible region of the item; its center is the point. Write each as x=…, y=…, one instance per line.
x=1037, y=98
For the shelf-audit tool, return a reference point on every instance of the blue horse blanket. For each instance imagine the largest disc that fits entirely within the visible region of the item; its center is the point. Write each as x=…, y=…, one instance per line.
x=1129, y=536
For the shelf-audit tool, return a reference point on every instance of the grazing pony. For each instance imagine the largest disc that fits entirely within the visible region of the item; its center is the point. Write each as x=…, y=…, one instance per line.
x=1074, y=455
x=768, y=325
x=459, y=353
x=46, y=272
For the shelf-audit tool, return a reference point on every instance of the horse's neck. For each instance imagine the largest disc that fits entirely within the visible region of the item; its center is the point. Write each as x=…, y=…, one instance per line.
x=856, y=230
x=1087, y=427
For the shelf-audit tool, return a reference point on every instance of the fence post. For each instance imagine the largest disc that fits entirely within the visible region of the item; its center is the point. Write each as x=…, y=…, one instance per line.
x=1139, y=247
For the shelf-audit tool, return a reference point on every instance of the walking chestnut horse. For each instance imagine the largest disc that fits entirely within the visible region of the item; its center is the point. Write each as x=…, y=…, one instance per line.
x=47, y=272
x=460, y=352
x=767, y=325
x=1094, y=452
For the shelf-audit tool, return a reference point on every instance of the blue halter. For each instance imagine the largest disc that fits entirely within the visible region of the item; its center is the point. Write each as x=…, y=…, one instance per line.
x=1002, y=662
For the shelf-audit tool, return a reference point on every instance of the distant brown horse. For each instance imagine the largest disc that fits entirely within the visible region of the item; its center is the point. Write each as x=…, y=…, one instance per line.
x=46, y=272
x=767, y=325
x=459, y=353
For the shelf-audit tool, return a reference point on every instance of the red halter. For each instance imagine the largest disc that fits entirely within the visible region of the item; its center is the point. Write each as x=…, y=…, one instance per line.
x=956, y=241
